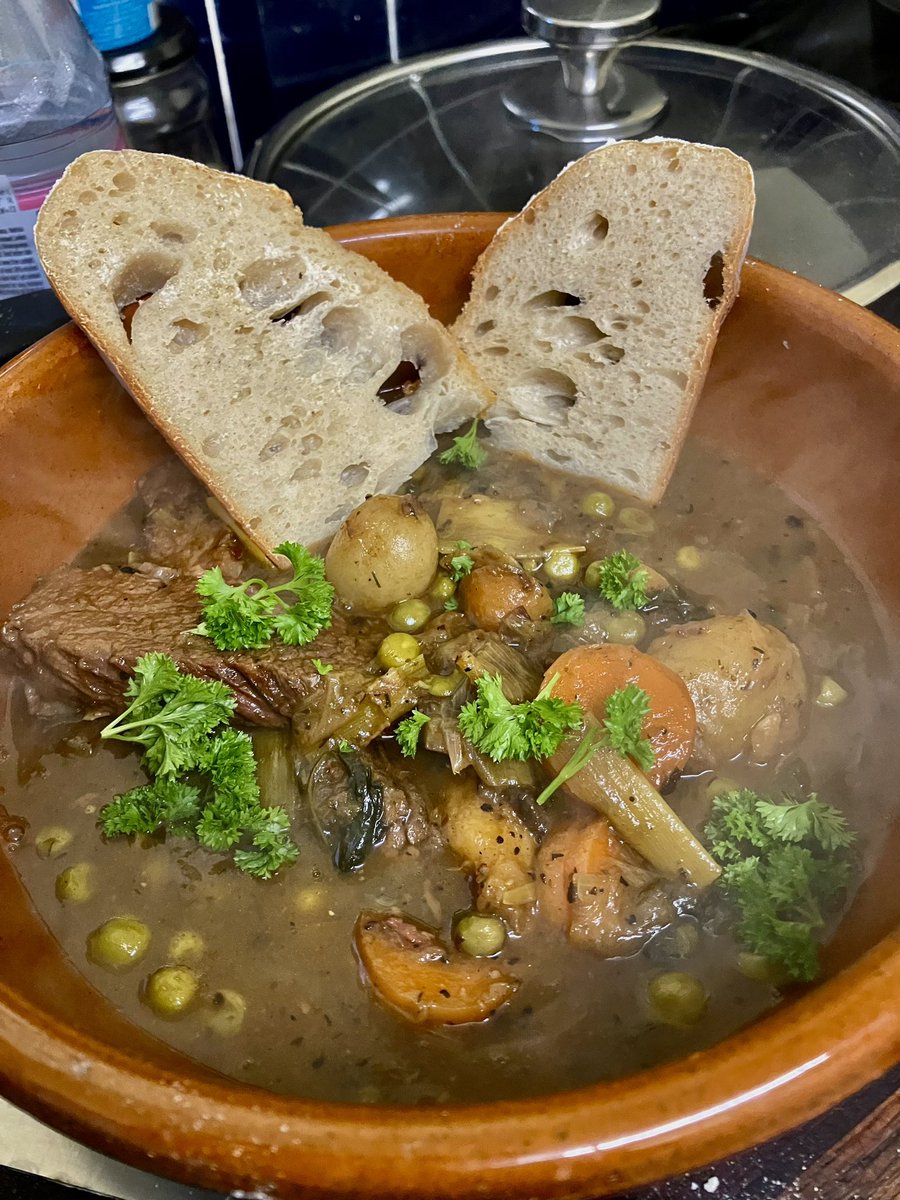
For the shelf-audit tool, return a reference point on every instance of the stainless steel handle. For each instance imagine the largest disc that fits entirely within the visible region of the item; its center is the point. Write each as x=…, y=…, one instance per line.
x=594, y=99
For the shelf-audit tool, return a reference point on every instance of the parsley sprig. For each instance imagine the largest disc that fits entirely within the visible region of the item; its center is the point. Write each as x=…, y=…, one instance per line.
x=622, y=729
x=247, y=615
x=408, y=732
x=785, y=866
x=205, y=775
x=622, y=580
x=531, y=729
x=460, y=566
x=568, y=609
x=465, y=450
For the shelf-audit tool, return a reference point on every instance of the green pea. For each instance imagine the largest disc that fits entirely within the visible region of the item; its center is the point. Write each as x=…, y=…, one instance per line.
x=410, y=616
x=398, y=650
x=562, y=566
x=635, y=520
x=170, y=991
x=53, y=841
x=592, y=573
x=761, y=970
x=441, y=686
x=598, y=504
x=186, y=944
x=625, y=627
x=719, y=784
x=225, y=1012
x=480, y=935
x=76, y=884
x=442, y=588
x=119, y=943
x=677, y=998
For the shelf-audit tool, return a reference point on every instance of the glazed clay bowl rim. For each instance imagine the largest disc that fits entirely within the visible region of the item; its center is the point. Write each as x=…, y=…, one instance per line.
x=788, y=1066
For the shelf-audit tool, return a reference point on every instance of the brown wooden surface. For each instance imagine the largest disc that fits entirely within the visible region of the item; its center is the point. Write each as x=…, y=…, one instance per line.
x=851, y=1152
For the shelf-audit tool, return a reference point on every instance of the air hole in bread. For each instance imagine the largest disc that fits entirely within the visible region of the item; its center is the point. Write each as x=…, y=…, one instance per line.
x=544, y=396
x=355, y=474
x=174, y=234
x=675, y=163
x=143, y=277
x=579, y=331
x=714, y=280
x=427, y=350
x=529, y=216
x=310, y=442
x=612, y=354
x=614, y=421
x=484, y=327
x=402, y=382
x=679, y=378
x=69, y=220
x=496, y=351
x=87, y=197
x=244, y=392
x=642, y=306
x=121, y=219
x=187, y=333
x=631, y=169
x=636, y=281
x=562, y=459
x=491, y=292
x=123, y=181
x=307, y=470
x=619, y=325
x=553, y=299
x=274, y=446
x=599, y=226
x=271, y=283
x=345, y=328
x=631, y=475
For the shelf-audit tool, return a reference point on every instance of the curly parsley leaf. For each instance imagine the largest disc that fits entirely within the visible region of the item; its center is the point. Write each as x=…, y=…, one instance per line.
x=165, y=803
x=622, y=580
x=245, y=616
x=465, y=450
x=271, y=845
x=171, y=714
x=531, y=729
x=322, y=668
x=408, y=732
x=626, y=710
x=461, y=565
x=785, y=866
x=568, y=609
x=205, y=785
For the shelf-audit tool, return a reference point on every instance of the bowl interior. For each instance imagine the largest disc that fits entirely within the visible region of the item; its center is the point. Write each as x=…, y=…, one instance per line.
x=804, y=386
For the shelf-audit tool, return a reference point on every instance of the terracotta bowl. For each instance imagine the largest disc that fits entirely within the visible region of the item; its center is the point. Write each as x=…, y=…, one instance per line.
x=807, y=387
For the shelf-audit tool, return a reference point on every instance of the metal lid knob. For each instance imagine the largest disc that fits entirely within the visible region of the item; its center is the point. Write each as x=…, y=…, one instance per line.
x=593, y=98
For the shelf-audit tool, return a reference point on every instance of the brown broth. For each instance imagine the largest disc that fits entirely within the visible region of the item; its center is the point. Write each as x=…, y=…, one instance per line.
x=311, y=1026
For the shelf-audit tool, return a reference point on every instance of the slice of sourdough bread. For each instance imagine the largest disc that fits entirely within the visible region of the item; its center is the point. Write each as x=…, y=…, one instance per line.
x=594, y=312
x=259, y=345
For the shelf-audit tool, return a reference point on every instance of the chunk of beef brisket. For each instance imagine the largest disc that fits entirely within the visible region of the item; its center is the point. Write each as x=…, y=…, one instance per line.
x=85, y=629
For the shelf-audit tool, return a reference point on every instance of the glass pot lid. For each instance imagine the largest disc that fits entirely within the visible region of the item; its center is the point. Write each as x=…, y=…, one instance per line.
x=456, y=132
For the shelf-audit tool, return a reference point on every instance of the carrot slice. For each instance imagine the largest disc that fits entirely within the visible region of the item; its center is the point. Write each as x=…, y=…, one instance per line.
x=414, y=974
x=590, y=674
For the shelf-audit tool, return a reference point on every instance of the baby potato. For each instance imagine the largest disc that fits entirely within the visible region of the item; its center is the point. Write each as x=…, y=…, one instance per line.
x=385, y=552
